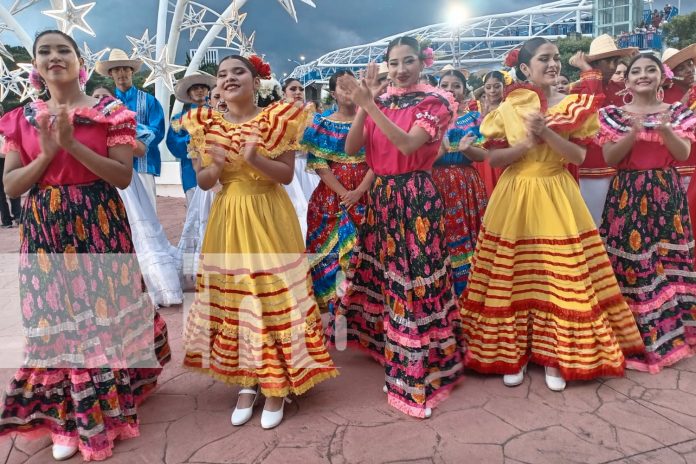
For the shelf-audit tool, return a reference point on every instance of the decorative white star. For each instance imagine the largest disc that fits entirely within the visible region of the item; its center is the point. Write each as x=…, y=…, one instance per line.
x=90, y=58
x=233, y=27
x=72, y=17
x=162, y=70
x=290, y=6
x=193, y=21
x=143, y=47
x=4, y=80
x=15, y=82
x=20, y=5
x=246, y=46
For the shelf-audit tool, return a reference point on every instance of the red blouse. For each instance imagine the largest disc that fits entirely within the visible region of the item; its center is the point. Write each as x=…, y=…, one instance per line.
x=649, y=151
x=105, y=125
x=423, y=106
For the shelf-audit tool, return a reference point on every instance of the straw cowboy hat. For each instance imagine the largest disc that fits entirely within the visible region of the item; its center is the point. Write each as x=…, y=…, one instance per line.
x=383, y=69
x=117, y=58
x=184, y=85
x=605, y=47
x=449, y=67
x=673, y=57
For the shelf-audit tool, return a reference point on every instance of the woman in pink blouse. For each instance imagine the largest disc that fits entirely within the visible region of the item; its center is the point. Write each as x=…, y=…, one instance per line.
x=87, y=322
x=399, y=304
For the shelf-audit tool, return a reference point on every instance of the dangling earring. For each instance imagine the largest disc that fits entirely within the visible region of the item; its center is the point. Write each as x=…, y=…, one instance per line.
x=660, y=94
x=82, y=78
x=256, y=98
x=37, y=81
x=627, y=94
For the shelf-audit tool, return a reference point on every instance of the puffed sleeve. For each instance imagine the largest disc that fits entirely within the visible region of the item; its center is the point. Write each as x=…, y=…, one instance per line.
x=121, y=124
x=576, y=117
x=280, y=130
x=10, y=130
x=434, y=116
x=683, y=121
x=196, y=122
x=493, y=130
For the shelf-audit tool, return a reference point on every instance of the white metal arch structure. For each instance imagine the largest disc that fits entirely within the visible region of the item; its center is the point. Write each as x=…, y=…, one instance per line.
x=475, y=43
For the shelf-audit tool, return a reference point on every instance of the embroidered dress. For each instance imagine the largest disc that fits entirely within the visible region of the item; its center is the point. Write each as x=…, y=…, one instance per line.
x=465, y=198
x=399, y=305
x=648, y=236
x=691, y=200
x=541, y=287
x=673, y=94
x=254, y=320
x=87, y=322
x=332, y=228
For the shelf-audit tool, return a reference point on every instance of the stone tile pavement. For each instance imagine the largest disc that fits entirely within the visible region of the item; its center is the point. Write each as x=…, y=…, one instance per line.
x=640, y=419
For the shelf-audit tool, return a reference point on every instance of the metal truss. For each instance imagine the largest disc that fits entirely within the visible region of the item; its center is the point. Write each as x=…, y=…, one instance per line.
x=474, y=44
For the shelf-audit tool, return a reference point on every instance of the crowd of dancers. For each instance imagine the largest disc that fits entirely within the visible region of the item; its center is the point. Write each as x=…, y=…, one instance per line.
x=440, y=227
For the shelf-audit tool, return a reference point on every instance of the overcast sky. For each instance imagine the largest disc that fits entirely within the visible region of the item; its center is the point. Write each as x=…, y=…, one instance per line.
x=333, y=24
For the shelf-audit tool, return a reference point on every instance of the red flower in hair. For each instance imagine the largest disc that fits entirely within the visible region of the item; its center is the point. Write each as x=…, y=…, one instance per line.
x=264, y=69
x=512, y=58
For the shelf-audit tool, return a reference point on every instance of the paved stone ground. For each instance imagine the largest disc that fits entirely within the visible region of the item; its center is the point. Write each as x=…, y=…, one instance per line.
x=640, y=419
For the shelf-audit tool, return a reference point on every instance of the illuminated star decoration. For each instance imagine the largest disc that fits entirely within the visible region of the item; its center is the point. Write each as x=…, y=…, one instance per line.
x=193, y=21
x=162, y=70
x=143, y=47
x=290, y=6
x=72, y=17
x=233, y=27
x=91, y=58
x=246, y=47
x=5, y=81
x=16, y=83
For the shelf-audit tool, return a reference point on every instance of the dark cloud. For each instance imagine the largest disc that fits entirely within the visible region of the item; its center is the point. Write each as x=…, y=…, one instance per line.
x=333, y=24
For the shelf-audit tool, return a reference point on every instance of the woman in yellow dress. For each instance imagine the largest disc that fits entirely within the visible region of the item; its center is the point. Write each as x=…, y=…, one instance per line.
x=541, y=287
x=254, y=321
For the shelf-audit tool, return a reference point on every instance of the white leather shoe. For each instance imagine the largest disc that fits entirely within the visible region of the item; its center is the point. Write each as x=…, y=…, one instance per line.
x=241, y=416
x=555, y=383
x=271, y=419
x=63, y=452
x=428, y=413
x=385, y=389
x=513, y=380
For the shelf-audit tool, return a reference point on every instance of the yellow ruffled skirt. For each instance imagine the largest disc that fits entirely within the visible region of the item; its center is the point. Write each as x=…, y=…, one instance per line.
x=254, y=320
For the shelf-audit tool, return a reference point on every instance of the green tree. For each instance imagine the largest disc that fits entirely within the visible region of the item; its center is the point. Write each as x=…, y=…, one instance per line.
x=567, y=47
x=680, y=31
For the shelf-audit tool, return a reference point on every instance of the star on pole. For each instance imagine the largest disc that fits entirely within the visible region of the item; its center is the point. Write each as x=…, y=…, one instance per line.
x=193, y=21
x=162, y=70
x=72, y=16
x=91, y=58
x=143, y=47
x=246, y=47
x=233, y=27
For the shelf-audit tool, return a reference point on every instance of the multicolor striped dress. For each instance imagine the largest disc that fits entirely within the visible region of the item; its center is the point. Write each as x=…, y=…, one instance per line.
x=254, y=320
x=541, y=287
x=649, y=238
x=465, y=197
x=94, y=342
x=331, y=227
x=399, y=305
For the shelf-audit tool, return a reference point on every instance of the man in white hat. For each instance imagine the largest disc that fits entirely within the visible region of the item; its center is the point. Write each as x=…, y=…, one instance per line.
x=682, y=89
x=597, y=68
x=148, y=113
x=193, y=91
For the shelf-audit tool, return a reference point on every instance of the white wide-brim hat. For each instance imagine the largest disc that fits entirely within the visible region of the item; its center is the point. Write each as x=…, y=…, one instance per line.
x=605, y=47
x=117, y=58
x=383, y=69
x=673, y=57
x=185, y=83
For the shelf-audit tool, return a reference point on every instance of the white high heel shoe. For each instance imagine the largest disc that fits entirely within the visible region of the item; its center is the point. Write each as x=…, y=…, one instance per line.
x=513, y=380
x=241, y=416
x=553, y=382
x=63, y=452
x=272, y=419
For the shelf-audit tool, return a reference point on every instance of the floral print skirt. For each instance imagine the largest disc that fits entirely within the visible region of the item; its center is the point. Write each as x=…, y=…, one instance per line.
x=648, y=236
x=465, y=200
x=399, y=305
x=95, y=344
